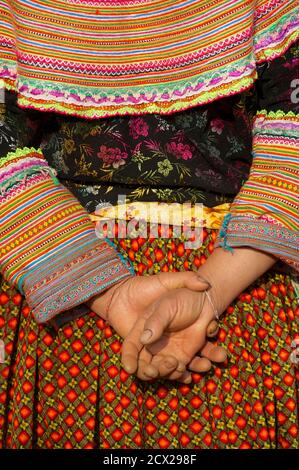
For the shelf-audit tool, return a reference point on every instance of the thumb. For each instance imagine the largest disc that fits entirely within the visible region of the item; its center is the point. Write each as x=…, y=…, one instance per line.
x=188, y=279
x=156, y=324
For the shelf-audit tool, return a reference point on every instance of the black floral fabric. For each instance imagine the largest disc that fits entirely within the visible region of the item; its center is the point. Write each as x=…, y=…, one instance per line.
x=200, y=155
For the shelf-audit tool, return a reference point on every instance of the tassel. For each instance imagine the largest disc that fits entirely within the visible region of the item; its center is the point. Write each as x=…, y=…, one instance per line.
x=223, y=233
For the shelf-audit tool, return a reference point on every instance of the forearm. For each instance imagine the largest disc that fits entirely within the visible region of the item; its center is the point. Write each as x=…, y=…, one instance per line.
x=231, y=273
x=263, y=223
x=264, y=215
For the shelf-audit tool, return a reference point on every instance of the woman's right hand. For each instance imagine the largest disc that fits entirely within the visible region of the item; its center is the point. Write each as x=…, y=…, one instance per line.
x=125, y=306
x=176, y=324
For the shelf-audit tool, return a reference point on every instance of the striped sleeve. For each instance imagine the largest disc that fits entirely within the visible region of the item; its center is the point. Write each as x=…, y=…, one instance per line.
x=265, y=213
x=48, y=246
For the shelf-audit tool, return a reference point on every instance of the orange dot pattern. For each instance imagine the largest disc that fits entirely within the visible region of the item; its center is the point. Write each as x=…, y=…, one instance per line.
x=68, y=389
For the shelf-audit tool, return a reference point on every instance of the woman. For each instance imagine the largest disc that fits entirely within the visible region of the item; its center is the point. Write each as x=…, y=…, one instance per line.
x=203, y=154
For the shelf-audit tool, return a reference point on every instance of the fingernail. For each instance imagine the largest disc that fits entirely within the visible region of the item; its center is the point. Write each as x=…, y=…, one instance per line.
x=214, y=326
x=146, y=336
x=129, y=369
x=202, y=279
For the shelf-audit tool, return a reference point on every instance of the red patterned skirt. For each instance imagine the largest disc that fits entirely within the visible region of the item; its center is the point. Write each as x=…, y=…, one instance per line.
x=67, y=389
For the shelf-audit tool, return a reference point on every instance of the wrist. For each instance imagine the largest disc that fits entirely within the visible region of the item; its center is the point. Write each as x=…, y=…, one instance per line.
x=230, y=273
x=101, y=303
x=213, y=311
x=214, y=298
x=203, y=306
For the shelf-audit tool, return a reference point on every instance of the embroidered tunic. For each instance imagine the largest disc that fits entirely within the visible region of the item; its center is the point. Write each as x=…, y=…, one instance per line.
x=105, y=58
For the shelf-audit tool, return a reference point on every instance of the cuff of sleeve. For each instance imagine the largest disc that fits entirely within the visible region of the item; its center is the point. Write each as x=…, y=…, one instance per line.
x=69, y=315
x=241, y=231
x=71, y=281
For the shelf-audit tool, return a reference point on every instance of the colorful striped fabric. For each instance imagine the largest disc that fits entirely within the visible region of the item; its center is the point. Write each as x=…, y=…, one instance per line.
x=264, y=215
x=48, y=245
x=96, y=58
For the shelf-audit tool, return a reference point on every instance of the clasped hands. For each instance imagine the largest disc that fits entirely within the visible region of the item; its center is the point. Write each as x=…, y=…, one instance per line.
x=165, y=321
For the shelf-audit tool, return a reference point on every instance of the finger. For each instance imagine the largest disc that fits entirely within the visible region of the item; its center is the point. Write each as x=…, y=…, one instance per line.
x=213, y=353
x=200, y=364
x=158, y=365
x=189, y=279
x=146, y=370
x=212, y=329
x=185, y=378
x=175, y=373
x=166, y=364
x=178, y=374
x=131, y=348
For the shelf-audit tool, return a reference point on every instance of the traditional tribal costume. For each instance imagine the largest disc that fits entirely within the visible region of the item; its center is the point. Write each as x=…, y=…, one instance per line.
x=161, y=101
